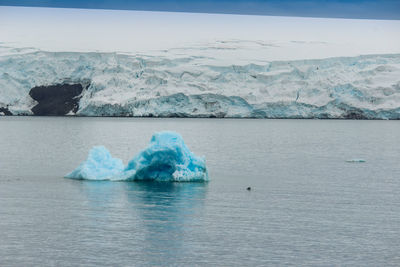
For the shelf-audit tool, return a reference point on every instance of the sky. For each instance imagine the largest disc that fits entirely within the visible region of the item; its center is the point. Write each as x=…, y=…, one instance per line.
x=358, y=9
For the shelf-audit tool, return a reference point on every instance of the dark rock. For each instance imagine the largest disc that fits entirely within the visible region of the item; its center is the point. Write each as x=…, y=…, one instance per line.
x=5, y=111
x=56, y=100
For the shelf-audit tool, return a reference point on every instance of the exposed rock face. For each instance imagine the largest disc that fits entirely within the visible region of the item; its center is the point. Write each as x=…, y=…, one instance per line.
x=56, y=100
x=5, y=111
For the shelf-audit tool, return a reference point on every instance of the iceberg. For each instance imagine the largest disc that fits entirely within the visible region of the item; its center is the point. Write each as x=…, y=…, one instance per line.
x=166, y=159
x=100, y=165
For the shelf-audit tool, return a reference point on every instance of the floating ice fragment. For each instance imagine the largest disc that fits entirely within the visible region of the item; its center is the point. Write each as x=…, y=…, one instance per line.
x=100, y=165
x=167, y=158
x=355, y=160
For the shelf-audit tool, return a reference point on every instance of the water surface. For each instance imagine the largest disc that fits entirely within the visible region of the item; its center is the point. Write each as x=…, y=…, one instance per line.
x=307, y=206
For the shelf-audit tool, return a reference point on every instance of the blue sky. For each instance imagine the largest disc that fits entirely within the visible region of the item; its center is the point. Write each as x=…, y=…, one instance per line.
x=365, y=9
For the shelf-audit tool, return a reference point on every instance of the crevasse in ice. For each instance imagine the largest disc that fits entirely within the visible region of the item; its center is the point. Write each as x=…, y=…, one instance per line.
x=167, y=158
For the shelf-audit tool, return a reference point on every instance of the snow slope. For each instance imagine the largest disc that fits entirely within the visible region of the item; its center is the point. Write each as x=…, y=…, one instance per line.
x=190, y=83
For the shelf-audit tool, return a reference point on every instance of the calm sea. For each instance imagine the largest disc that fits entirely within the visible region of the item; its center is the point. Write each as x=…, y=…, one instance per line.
x=307, y=206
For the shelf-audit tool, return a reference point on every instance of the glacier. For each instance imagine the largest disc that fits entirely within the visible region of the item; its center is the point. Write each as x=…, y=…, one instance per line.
x=166, y=159
x=189, y=83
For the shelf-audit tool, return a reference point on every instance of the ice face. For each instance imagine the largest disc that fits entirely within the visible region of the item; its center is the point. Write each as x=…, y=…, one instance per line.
x=167, y=158
x=100, y=165
x=168, y=85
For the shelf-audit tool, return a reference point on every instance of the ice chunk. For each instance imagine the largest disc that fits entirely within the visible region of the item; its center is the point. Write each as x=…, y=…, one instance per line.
x=167, y=158
x=100, y=165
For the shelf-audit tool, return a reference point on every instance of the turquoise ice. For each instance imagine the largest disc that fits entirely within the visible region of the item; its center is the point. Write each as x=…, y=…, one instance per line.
x=167, y=158
x=100, y=165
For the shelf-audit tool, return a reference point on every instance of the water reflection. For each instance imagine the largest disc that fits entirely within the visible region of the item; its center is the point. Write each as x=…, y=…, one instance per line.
x=167, y=212
x=157, y=218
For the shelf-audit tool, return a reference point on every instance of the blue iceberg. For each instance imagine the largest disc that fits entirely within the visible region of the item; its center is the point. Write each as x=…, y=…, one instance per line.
x=100, y=165
x=167, y=158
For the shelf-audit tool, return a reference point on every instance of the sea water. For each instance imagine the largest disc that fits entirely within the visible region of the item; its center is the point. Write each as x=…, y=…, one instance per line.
x=307, y=205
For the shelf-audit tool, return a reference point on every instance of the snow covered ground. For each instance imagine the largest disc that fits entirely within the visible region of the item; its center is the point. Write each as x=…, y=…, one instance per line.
x=201, y=65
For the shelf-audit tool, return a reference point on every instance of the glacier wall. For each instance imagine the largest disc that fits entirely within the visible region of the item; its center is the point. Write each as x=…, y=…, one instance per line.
x=189, y=85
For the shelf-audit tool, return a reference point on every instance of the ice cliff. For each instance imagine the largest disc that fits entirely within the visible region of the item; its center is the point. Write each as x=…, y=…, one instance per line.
x=191, y=85
x=167, y=158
